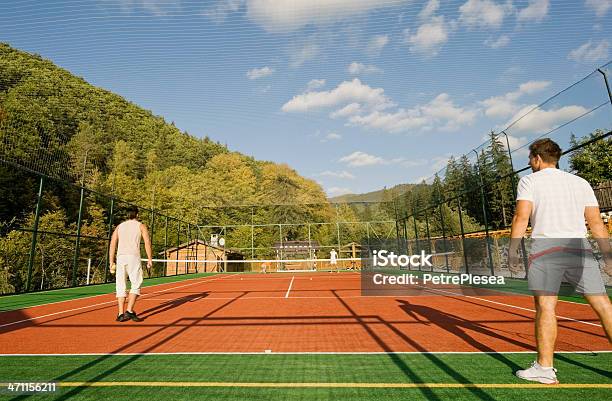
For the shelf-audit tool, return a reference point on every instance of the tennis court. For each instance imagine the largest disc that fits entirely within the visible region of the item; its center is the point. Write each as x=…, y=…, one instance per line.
x=293, y=336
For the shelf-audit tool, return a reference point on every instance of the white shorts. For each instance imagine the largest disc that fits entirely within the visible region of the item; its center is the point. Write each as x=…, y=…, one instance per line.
x=128, y=266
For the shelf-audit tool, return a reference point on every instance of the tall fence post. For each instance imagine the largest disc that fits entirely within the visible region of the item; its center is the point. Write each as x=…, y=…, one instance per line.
x=32, y=255
x=513, y=182
x=484, y=213
x=110, y=234
x=77, y=245
x=166, y=247
x=444, y=237
x=605, y=77
x=465, y=258
x=427, y=232
x=178, y=245
x=397, y=229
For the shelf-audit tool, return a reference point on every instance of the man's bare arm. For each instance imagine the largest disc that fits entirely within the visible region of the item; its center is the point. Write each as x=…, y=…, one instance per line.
x=600, y=234
x=520, y=221
x=147, y=244
x=113, y=247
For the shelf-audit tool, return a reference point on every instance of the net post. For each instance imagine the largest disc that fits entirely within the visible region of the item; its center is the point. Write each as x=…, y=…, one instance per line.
x=34, y=234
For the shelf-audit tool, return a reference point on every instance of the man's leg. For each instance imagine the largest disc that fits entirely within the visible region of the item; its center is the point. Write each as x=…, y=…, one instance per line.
x=131, y=302
x=120, y=304
x=546, y=328
x=602, y=306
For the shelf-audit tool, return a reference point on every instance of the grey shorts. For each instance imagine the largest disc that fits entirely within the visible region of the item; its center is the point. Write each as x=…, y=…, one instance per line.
x=576, y=266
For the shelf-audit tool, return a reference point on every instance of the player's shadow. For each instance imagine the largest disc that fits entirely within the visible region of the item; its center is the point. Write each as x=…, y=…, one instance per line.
x=459, y=327
x=172, y=304
x=399, y=361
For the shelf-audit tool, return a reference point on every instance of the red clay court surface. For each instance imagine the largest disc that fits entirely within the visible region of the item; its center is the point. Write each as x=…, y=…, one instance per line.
x=305, y=312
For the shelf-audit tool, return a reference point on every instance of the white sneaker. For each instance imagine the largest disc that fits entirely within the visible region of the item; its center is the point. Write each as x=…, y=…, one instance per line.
x=537, y=373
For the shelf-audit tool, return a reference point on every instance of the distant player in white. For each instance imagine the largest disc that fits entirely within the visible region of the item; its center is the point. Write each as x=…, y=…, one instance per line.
x=558, y=204
x=333, y=258
x=126, y=242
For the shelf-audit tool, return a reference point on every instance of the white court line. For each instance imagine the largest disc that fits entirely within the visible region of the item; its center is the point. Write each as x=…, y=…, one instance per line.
x=104, y=303
x=513, y=306
x=289, y=289
x=88, y=297
x=607, y=351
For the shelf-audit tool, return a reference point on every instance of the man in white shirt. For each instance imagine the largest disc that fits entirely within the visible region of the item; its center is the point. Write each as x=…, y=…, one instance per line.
x=333, y=261
x=126, y=242
x=558, y=204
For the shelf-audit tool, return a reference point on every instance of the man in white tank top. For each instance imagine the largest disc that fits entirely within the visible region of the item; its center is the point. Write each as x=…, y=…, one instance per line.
x=126, y=242
x=558, y=204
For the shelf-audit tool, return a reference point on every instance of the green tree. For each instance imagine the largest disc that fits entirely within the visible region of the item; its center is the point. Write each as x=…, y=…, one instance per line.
x=594, y=161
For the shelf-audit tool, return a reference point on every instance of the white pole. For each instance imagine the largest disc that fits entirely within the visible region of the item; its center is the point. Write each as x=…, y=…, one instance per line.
x=88, y=269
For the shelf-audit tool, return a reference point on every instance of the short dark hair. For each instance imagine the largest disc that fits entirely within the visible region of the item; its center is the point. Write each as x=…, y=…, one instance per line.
x=132, y=212
x=547, y=149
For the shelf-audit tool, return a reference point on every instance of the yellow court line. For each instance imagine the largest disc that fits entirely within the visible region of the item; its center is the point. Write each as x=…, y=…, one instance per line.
x=334, y=385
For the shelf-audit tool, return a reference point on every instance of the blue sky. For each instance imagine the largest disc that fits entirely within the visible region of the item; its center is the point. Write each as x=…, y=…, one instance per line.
x=354, y=94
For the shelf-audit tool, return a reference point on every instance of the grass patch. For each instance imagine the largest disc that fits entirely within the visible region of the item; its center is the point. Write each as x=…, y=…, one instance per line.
x=392, y=368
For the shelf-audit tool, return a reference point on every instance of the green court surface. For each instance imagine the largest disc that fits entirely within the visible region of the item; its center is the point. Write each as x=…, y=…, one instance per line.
x=307, y=377
x=20, y=301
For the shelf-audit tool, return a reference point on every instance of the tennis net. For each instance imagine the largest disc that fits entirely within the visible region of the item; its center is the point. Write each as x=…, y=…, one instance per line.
x=186, y=266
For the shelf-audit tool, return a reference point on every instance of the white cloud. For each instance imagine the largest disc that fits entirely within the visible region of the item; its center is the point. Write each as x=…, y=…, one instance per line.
x=338, y=174
x=347, y=92
x=332, y=136
x=315, y=84
x=440, y=112
x=285, y=16
x=429, y=37
x=257, y=73
x=376, y=44
x=348, y=110
x=590, y=52
x=600, y=7
x=502, y=41
x=430, y=8
x=505, y=105
x=306, y=52
x=357, y=68
x=337, y=191
x=361, y=159
x=536, y=11
x=540, y=121
x=483, y=13
x=531, y=87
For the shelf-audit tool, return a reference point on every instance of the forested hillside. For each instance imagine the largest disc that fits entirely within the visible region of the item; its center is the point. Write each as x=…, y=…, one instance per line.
x=74, y=133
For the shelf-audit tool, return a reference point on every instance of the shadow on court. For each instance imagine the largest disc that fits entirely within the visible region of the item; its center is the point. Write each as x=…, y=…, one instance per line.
x=171, y=304
x=98, y=377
